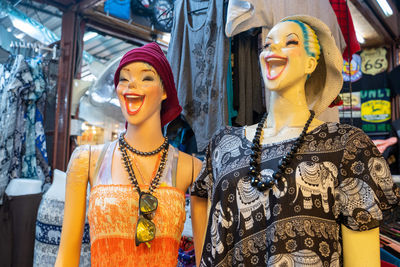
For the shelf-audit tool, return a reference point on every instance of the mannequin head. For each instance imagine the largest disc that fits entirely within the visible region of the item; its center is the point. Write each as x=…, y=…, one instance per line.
x=152, y=69
x=140, y=92
x=317, y=74
x=290, y=55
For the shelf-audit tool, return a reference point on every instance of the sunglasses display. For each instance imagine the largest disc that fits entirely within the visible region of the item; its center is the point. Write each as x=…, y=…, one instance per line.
x=148, y=203
x=145, y=228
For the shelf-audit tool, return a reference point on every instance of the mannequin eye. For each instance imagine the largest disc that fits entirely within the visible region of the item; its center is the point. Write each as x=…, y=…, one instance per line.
x=267, y=45
x=122, y=79
x=292, y=42
x=148, y=78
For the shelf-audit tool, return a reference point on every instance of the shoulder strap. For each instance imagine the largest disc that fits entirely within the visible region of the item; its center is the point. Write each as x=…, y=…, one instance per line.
x=174, y=166
x=100, y=160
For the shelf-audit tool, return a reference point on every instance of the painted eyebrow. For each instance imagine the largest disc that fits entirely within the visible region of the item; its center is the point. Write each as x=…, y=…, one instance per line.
x=292, y=34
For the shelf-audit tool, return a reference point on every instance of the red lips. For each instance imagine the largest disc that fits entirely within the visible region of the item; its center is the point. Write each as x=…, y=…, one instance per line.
x=133, y=102
x=275, y=66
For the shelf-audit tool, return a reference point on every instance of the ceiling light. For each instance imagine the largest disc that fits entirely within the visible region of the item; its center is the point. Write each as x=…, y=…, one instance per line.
x=384, y=5
x=360, y=38
x=9, y=29
x=89, y=35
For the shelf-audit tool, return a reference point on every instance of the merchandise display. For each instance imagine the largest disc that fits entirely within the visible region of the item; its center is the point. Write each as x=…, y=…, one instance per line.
x=137, y=202
x=334, y=189
x=199, y=133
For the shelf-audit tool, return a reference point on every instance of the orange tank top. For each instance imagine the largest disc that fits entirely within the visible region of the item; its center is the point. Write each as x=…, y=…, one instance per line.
x=113, y=213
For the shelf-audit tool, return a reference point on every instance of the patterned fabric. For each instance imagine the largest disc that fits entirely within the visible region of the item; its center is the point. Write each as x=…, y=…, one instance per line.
x=113, y=213
x=11, y=83
x=337, y=177
x=198, y=53
x=346, y=26
x=48, y=233
x=22, y=88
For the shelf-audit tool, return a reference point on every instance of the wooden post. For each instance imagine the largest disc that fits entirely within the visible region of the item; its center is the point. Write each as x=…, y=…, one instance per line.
x=66, y=72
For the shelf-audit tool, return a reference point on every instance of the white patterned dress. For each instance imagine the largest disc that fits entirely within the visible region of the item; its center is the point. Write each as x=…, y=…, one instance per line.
x=337, y=177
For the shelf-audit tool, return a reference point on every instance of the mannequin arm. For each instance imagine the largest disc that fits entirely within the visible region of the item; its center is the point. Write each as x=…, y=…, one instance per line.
x=75, y=209
x=361, y=249
x=199, y=224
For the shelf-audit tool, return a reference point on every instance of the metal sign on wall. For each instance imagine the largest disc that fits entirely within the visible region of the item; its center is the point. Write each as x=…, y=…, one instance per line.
x=374, y=61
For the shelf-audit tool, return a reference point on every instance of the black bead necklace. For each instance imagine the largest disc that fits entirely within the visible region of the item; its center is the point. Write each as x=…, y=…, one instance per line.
x=128, y=166
x=135, y=151
x=255, y=157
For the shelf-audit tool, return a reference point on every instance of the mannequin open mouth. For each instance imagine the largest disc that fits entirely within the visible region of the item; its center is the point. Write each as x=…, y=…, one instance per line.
x=134, y=103
x=275, y=66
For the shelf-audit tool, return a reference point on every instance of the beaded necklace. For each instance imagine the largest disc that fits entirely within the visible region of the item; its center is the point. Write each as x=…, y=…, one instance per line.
x=128, y=166
x=255, y=158
x=135, y=151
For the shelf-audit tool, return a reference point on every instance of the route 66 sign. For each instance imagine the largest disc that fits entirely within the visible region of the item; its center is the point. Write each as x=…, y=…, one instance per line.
x=374, y=61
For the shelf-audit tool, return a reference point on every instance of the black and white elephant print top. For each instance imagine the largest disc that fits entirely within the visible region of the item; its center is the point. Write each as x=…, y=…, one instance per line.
x=337, y=177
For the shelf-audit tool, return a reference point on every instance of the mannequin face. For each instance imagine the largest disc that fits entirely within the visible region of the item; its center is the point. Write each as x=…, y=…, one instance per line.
x=284, y=60
x=140, y=92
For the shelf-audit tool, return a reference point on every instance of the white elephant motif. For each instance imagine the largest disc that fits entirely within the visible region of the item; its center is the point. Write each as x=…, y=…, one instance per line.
x=227, y=147
x=380, y=173
x=218, y=218
x=250, y=199
x=355, y=193
x=315, y=179
x=299, y=258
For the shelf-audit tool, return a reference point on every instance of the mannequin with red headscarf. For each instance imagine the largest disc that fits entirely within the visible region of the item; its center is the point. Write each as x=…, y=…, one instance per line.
x=136, y=207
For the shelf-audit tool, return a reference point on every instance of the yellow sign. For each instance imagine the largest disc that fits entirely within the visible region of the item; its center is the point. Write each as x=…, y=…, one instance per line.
x=376, y=111
x=373, y=61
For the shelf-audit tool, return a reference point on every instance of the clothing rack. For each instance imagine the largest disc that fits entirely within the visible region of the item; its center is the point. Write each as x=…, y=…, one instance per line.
x=35, y=46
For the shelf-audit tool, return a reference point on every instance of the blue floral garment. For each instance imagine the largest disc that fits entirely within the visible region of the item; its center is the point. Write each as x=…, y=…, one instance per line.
x=21, y=87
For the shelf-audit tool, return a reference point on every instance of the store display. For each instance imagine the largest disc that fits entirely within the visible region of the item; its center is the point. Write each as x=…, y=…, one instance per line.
x=337, y=177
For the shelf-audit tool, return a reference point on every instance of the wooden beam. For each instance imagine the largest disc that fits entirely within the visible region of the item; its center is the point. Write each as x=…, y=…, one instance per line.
x=69, y=33
x=133, y=32
x=85, y=4
x=366, y=11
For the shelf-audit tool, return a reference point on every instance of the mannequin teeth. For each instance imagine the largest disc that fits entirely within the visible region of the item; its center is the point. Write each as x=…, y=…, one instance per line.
x=133, y=103
x=275, y=66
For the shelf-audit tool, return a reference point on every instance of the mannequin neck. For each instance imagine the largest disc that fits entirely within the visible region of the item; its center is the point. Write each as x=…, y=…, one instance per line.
x=145, y=136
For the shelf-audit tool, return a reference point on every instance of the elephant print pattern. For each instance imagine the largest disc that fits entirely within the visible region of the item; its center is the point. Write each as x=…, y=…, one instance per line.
x=337, y=177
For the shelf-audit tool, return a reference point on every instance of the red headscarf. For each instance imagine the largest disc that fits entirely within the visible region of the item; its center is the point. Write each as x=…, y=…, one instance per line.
x=152, y=54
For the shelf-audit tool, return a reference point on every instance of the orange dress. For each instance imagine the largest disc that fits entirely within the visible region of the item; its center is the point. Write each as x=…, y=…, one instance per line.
x=113, y=213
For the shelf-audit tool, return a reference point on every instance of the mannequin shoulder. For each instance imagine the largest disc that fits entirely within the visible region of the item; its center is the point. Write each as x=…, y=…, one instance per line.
x=187, y=162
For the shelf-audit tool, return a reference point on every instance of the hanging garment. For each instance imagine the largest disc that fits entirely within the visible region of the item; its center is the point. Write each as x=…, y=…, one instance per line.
x=346, y=26
x=11, y=83
x=198, y=53
x=33, y=128
x=113, y=214
x=248, y=76
x=243, y=15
